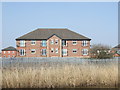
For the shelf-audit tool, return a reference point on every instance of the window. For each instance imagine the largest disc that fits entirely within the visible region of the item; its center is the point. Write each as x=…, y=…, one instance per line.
x=74, y=42
x=64, y=52
x=52, y=50
x=33, y=42
x=4, y=52
x=85, y=51
x=52, y=41
x=43, y=51
x=8, y=56
x=56, y=50
x=74, y=50
x=44, y=43
x=8, y=51
x=64, y=43
x=33, y=51
x=22, y=43
x=84, y=43
x=12, y=51
x=22, y=52
x=56, y=41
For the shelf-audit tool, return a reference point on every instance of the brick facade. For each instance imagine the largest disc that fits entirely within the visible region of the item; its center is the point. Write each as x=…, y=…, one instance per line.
x=53, y=48
x=9, y=54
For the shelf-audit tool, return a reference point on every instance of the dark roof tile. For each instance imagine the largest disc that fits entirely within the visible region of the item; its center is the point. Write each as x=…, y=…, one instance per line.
x=46, y=33
x=9, y=49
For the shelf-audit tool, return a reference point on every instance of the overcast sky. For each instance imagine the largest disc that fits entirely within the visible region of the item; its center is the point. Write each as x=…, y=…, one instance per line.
x=95, y=20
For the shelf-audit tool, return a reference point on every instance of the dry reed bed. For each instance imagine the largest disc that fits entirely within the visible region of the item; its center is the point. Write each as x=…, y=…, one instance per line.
x=59, y=77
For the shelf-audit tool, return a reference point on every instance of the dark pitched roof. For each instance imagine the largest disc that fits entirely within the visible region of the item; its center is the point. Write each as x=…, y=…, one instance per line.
x=9, y=49
x=46, y=33
x=118, y=46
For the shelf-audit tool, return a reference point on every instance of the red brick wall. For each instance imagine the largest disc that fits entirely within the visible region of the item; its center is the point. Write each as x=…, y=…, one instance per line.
x=38, y=48
x=54, y=46
x=79, y=48
x=7, y=54
x=28, y=48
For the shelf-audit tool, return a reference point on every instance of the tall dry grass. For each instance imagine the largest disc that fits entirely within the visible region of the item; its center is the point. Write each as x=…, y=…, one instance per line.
x=59, y=77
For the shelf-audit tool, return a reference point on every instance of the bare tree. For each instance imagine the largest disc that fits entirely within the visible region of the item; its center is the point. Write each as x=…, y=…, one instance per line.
x=100, y=51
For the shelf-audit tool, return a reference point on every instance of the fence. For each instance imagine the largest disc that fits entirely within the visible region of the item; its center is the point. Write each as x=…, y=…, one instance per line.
x=53, y=61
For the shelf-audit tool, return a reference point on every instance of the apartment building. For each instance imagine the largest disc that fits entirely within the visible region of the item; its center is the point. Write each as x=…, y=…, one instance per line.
x=53, y=43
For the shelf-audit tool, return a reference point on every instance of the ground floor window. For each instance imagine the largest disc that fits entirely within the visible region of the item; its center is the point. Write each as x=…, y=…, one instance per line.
x=44, y=52
x=74, y=50
x=56, y=50
x=84, y=51
x=33, y=51
x=22, y=52
x=64, y=52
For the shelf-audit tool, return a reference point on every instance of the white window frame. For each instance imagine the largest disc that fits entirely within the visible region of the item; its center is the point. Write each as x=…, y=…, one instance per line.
x=4, y=52
x=65, y=52
x=84, y=51
x=22, y=43
x=52, y=49
x=85, y=43
x=45, y=43
x=8, y=56
x=56, y=50
x=63, y=41
x=75, y=42
x=8, y=51
x=33, y=50
x=44, y=52
x=33, y=42
x=74, y=50
x=23, y=52
x=52, y=41
x=56, y=41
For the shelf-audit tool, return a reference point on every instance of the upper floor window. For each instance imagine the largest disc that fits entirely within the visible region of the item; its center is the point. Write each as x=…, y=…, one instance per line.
x=74, y=42
x=33, y=51
x=64, y=43
x=84, y=43
x=8, y=51
x=12, y=51
x=4, y=52
x=52, y=41
x=33, y=42
x=22, y=43
x=74, y=50
x=85, y=52
x=22, y=52
x=56, y=41
x=64, y=51
x=43, y=51
x=44, y=43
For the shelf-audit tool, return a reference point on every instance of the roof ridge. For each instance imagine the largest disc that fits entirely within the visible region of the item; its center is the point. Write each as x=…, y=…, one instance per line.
x=52, y=28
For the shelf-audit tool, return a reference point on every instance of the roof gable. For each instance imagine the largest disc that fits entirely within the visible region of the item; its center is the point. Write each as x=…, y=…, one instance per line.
x=46, y=33
x=54, y=35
